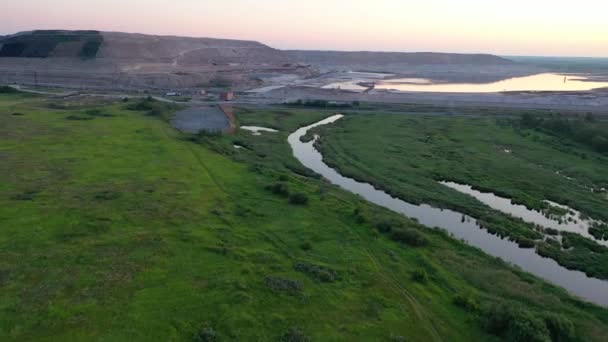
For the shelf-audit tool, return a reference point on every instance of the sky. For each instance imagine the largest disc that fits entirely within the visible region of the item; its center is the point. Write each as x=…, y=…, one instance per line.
x=513, y=27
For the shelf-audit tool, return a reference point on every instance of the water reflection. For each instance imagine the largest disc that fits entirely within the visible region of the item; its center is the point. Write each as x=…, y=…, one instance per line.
x=591, y=289
x=572, y=221
x=540, y=82
x=257, y=130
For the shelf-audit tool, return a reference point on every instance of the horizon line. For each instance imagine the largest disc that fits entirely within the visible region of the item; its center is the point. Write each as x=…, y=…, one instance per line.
x=320, y=49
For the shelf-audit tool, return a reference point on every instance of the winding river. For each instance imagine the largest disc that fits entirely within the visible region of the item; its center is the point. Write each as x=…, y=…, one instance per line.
x=577, y=283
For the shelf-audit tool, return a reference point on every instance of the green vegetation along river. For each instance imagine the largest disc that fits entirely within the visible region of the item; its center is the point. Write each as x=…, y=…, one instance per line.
x=462, y=227
x=410, y=155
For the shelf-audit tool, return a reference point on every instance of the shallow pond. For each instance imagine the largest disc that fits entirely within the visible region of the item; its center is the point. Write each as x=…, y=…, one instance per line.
x=572, y=221
x=257, y=130
x=539, y=82
x=196, y=119
x=591, y=289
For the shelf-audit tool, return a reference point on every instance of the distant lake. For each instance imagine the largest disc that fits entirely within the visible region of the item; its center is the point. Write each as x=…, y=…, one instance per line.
x=540, y=82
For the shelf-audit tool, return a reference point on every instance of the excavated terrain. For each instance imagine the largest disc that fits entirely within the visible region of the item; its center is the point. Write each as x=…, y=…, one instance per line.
x=92, y=59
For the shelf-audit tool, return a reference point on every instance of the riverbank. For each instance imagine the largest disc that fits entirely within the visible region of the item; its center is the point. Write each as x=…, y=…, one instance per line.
x=492, y=155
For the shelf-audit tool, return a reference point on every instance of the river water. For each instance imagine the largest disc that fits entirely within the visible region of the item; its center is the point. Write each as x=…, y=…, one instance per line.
x=573, y=221
x=577, y=283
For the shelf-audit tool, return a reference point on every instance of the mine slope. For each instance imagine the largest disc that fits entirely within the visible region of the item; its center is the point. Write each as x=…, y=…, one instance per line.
x=125, y=60
x=441, y=67
x=413, y=58
x=116, y=61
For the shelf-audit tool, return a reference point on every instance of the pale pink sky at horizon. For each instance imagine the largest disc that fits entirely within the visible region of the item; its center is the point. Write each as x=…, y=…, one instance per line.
x=516, y=27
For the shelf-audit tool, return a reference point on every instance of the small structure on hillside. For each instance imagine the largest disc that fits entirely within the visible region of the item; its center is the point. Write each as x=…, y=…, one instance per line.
x=227, y=96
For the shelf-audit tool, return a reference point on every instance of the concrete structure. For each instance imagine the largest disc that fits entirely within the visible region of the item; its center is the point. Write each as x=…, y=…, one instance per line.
x=227, y=96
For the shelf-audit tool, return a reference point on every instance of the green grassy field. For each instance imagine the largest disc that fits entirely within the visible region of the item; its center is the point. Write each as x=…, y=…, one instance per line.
x=113, y=226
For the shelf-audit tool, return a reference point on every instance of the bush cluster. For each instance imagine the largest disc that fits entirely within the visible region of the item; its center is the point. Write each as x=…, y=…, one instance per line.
x=78, y=118
x=149, y=105
x=294, y=335
x=279, y=188
x=298, y=199
x=525, y=242
x=317, y=272
x=587, y=131
x=466, y=302
x=514, y=323
x=420, y=276
x=206, y=334
x=306, y=246
x=599, y=231
x=8, y=90
x=283, y=285
x=409, y=236
x=319, y=104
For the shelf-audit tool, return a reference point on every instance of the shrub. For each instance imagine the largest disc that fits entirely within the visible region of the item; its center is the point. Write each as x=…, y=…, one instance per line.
x=142, y=104
x=467, y=302
x=360, y=215
x=107, y=195
x=317, y=272
x=306, y=246
x=525, y=243
x=279, y=188
x=386, y=226
x=420, y=276
x=298, y=199
x=551, y=231
x=8, y=90
x=154, y=112
x=525, y=327
x=98, y=112
x=28, y=195
x=560, y=328
x=497, y=317
x=294, y=335
x=288, y=286
x=515, y=324
x=207, y=334
x=78, y=118
x=319, y=104
x=409, y=236
x=600, y=232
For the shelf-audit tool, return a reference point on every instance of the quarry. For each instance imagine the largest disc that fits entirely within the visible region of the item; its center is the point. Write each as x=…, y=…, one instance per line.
x=203, y=70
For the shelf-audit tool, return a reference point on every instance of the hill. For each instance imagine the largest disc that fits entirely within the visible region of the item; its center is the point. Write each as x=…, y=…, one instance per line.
x=125, y=60
x=410, y=58
x=451, y=67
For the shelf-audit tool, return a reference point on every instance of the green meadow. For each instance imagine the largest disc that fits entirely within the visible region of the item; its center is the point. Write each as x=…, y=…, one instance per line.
x=115, y=227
